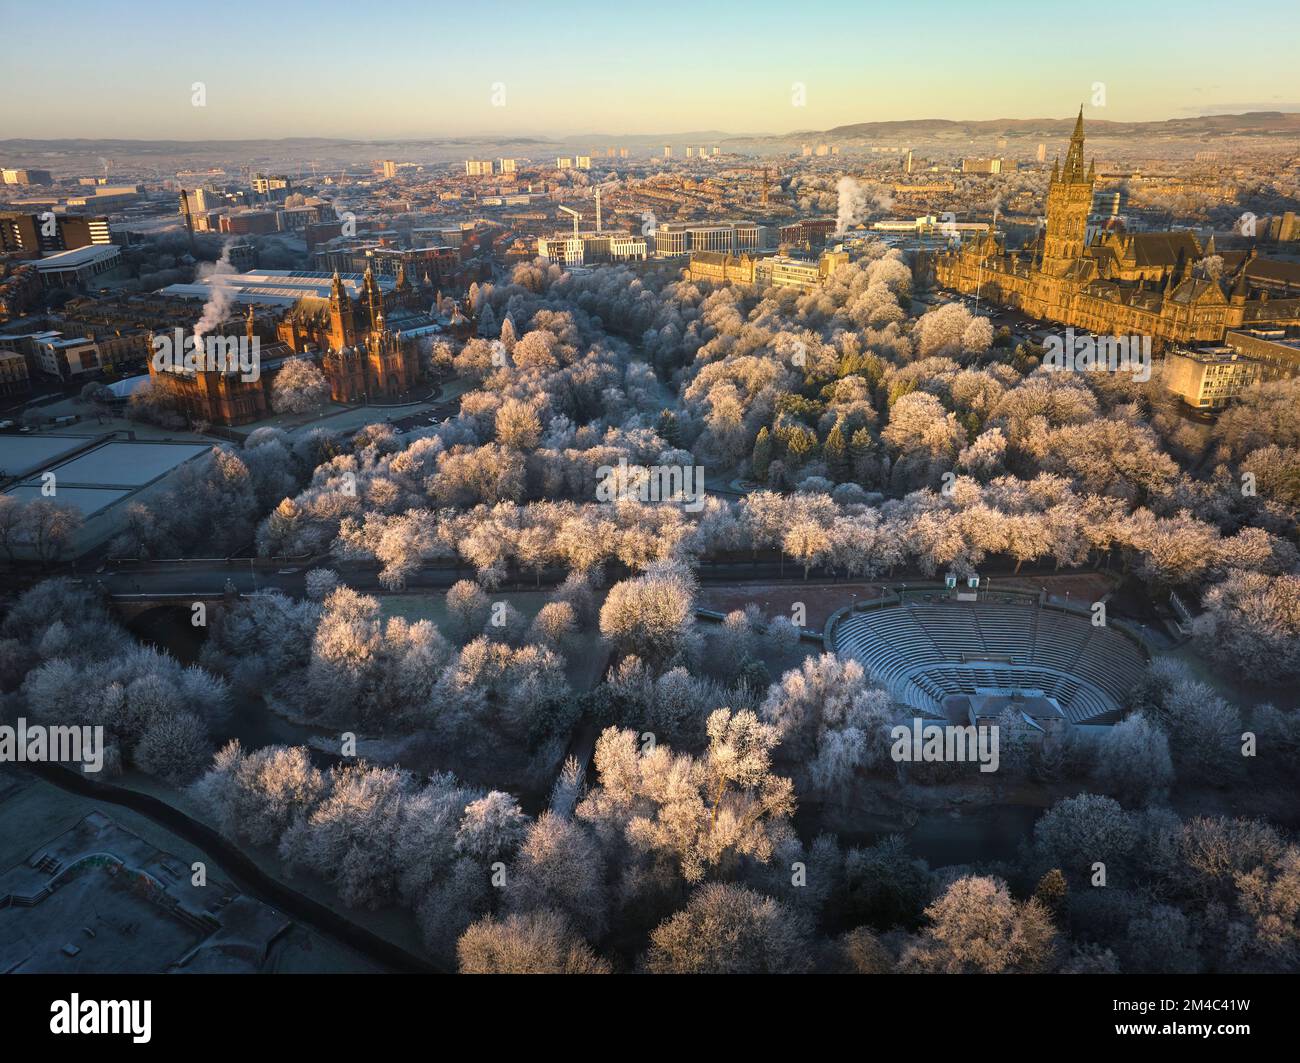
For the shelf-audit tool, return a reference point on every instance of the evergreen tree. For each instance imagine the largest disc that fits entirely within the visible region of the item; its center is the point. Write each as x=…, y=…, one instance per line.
x=862, y=452
x=668, y=428
x=837, y=455
x=508, y=333
x=762, y=459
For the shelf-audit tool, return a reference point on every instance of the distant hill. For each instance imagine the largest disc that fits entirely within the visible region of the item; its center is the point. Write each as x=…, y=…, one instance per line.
x=1254, y=122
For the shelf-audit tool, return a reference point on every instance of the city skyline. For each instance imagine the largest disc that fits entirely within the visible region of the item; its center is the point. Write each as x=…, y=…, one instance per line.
x=725, y=73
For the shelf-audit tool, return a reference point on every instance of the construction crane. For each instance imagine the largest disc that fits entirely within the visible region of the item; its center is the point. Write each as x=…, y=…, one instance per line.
x=576, y=218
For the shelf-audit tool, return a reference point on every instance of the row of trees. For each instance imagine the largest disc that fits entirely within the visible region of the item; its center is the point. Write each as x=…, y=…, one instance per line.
x=78, y=667
x=688, y=864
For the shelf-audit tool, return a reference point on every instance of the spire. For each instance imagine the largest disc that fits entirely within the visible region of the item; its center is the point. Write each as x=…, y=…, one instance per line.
x=1240, y=290
x=1074, y=156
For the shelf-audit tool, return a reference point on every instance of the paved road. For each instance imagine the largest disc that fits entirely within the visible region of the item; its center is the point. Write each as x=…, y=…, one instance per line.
x=209, y=577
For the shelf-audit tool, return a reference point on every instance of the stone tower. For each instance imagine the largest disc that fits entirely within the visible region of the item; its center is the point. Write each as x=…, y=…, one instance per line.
x=1069, y=202
x=374, y=300
x=343, y=331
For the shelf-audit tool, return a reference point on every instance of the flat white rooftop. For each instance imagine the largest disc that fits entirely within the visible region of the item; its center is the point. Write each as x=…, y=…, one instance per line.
x=80, y=256
x=126, y=464
x=23, y=454
x=89, y=500
x=97, y=479
x=274, y=287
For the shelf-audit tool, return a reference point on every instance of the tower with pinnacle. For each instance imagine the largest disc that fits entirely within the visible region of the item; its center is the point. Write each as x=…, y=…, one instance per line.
x=1069, y=202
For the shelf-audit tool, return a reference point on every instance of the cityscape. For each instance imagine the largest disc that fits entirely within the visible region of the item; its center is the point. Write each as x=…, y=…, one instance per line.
x=743, y=502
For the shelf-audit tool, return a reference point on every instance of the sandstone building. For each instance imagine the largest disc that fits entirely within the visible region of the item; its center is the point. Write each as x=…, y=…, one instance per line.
x=1159, y=284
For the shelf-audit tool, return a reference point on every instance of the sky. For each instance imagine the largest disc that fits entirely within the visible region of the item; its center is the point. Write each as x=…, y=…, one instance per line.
x=376, y=70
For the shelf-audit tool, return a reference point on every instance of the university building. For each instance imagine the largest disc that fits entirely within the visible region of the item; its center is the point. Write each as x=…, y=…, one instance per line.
x=217, y=397
x=767, y=271
x=1149, y=284
x=1208, y=378
x=362, y=357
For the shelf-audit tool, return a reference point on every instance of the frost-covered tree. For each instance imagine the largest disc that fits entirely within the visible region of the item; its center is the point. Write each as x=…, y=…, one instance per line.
x=299, y=386
x=559, y=866
x=321, y=582
x=491, y=828
x=727, y=929
x=978, y=927
x=651, y=617
x=1133, y=760
x=831, y=719
x=468, y=606
x=527, y=943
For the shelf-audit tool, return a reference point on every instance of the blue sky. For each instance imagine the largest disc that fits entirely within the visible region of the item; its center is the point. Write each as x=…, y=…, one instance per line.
x=406, y=69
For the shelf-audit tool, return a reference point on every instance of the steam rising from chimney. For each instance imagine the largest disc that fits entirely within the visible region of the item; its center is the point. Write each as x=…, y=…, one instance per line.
x=217, y=308
x=855, y=201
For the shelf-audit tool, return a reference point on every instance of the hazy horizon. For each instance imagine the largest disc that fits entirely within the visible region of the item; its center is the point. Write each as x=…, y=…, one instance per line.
x=408, y=72
x=563, y=135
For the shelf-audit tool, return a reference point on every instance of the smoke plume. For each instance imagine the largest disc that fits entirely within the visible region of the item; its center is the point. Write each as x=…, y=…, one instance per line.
x=217, y=308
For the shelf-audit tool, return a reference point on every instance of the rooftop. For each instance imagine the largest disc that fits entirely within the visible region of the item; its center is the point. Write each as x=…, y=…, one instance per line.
x=274, y=287
x=80, y=256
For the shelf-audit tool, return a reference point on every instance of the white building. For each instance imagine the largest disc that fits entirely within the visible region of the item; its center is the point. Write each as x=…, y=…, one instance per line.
x=591, y=247
x=79, y=266
x=66, y=357
x=674, y=239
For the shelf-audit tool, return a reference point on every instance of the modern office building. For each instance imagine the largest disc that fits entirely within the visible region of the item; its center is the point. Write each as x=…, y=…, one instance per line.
x=779, y=271
x=49, y=232
x=14, y=376
x=986, y=166
x=1277, y=353
x=68, y=269
x=26, y=177
x=265, y=184
x=589, y=248
x=675, y=239
x=66, y=357
x=1209, y=378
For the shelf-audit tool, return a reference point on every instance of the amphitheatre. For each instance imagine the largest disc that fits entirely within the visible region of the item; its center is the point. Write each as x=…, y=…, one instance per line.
x=925, y=648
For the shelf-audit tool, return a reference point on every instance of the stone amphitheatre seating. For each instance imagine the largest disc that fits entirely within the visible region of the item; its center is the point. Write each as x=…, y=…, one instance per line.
x=923, y=652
